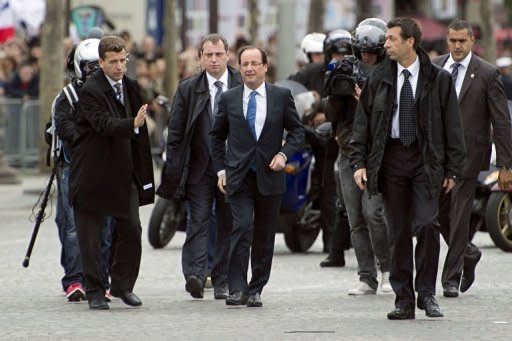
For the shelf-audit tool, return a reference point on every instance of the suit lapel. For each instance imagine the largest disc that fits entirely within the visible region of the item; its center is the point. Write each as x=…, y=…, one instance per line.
x=469, y=77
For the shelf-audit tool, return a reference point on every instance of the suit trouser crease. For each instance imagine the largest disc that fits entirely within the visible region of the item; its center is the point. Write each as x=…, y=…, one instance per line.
x=454, y=211
x=201, y=198
x=127, y=247
x=409, y=209
x=368, y=226
x=254, y=225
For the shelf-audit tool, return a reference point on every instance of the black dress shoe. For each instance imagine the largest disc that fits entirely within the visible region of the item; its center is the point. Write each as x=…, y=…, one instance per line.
x=98, y=303
x=195, y=286
x=429, y=304
x=129, y=298
x=401, y=313
x=333, y=262
x=254, y=300
x=450, y=291
x=236, y=298
x=220, y=292
x=468, y=275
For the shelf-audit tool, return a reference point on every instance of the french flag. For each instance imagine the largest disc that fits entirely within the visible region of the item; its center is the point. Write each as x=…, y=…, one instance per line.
x=7, y=23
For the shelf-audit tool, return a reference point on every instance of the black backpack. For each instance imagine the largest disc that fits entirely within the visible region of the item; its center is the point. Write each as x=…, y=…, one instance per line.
x=53, y=141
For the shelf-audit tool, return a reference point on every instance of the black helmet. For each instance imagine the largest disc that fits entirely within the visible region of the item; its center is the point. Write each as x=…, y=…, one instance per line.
x=369, y=39
x=338, y=41
x=374, y=22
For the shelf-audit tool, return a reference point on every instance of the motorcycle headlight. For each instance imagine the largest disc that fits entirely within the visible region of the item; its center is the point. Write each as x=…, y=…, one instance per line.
x=491, y=178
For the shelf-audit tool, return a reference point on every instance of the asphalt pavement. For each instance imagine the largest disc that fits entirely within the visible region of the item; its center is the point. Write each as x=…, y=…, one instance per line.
x=301, y=301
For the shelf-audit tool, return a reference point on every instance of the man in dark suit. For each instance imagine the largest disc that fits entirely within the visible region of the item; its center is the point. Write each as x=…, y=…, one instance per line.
x=253, y=118
x=482, y=101
x=189, y=169
x=407, y=143
x=111, y=173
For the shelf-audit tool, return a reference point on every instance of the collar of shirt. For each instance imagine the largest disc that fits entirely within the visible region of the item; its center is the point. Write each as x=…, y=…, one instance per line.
x=414, y=69
x=464, y=62
x=112, y=82
x=212, y=80
x=261, y=91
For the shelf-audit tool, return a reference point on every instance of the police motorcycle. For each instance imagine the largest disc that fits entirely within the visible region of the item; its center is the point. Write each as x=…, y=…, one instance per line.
x=299, y=221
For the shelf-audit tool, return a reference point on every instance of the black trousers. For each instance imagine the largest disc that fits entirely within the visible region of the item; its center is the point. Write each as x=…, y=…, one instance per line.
x=410, y=211
x=254, y=228
x=126, y=251
x=454, y=217
x=202, y=198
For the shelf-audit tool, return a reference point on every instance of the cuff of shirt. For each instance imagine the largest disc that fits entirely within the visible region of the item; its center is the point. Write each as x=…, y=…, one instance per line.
x=136, y=130
x=284, y=155
x=221, y=173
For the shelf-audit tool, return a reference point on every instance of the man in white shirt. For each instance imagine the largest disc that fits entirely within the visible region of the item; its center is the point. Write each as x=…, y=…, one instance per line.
x=188, y=172
x=253, y=118
x=407, y=144
x=482, y=102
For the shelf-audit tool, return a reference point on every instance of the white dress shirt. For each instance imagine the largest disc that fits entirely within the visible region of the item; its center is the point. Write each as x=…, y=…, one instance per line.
x=414, y=69
x=213, y=89
x=462, y=70
x=261, y=106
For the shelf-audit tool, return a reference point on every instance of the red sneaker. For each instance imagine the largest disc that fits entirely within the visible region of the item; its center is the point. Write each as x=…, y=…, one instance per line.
x=75, y=292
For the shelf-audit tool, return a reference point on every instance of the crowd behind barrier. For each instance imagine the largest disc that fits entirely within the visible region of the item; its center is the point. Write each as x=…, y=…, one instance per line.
x=20, y=131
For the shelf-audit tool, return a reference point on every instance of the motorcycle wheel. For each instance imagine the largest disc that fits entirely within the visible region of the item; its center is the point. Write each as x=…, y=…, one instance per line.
x=498, y=217
x=304, y=233
x=167, y=217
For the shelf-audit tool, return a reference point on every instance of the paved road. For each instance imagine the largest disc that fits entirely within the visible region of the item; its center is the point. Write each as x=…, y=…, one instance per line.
x=301, y=302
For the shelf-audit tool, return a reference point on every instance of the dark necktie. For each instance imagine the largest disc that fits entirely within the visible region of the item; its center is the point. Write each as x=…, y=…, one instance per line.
x=406, y=116
x=455, y=71
x=251, y=113
x=218, y=92
x=119, y=93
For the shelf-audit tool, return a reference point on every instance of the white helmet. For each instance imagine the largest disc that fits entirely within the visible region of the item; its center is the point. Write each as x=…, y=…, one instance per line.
x=86, y=51
x=313, y=43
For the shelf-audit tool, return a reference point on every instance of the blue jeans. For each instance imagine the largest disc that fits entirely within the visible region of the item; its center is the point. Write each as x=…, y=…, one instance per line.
x=70, y=252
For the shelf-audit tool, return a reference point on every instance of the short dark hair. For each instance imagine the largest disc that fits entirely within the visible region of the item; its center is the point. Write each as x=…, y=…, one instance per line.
x=410, y=29
x=459, y=24
x=264, y=58
x=213, y=38
x=111, y=44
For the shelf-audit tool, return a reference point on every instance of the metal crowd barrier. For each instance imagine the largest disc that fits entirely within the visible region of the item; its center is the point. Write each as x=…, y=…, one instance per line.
x=20, y=131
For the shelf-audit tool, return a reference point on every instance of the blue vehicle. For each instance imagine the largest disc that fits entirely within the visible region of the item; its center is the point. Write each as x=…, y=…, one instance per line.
x=298, y=220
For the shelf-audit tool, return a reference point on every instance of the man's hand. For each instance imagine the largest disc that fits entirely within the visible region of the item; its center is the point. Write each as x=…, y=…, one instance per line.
x=448, y=184
x=221, y=183
x=360, y=178
x=505, y=179
x=278, y=162
x=141, y=117
x=357, y=92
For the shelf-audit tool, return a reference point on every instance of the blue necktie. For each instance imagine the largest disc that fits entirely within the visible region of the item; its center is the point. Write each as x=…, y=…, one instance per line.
x=406, y=115
x=251, y=113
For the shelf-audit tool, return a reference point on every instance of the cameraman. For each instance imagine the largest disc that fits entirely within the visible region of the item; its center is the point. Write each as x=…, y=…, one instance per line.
x=82, y=62
x=368, y=226
x=336, y=45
